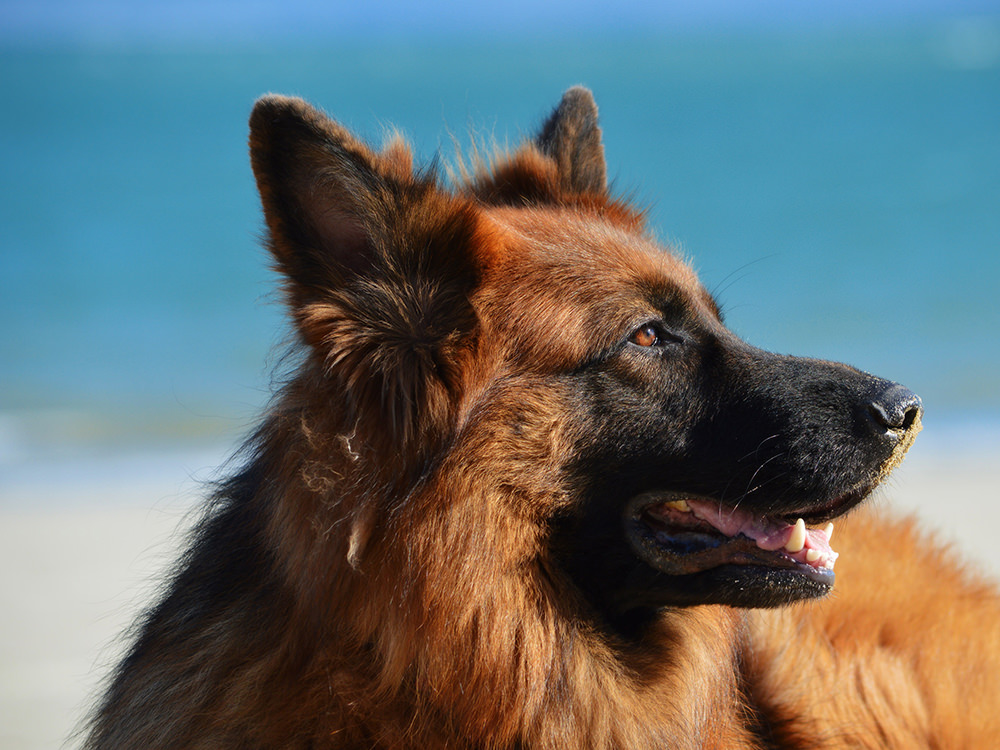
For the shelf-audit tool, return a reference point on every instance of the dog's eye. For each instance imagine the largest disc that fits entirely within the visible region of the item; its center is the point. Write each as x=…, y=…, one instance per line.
x=646, y=336
x=650, y=334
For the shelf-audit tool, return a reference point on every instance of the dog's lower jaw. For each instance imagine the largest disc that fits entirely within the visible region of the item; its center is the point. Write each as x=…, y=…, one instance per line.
x=647, y=595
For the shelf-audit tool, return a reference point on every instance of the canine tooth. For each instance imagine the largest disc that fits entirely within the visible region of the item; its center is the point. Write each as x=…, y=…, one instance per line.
x=812, y=555
x=829, y=531
x=679, y=505
x=797, y=540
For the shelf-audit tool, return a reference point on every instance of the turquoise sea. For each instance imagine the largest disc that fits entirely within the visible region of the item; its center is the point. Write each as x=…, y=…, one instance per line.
x=838, y=190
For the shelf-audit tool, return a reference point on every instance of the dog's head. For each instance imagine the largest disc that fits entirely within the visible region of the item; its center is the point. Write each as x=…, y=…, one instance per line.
x=522, y=337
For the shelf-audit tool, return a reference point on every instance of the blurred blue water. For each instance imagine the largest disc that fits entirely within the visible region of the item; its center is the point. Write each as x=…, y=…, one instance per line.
x=839, y=191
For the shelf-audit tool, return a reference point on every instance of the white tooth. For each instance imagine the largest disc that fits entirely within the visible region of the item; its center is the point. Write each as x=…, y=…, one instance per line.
x=812, y=555
x=797, y=540
x=679, y=505
x=829, y=531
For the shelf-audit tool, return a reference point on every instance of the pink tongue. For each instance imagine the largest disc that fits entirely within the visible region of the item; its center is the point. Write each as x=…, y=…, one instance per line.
x=768, y=533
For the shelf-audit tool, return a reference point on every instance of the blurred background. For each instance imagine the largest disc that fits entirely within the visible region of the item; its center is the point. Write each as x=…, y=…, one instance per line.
x=831, y=168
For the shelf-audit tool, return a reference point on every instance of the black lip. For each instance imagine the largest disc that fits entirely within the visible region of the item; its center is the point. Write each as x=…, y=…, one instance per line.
x=759, y=586
x=832, y=509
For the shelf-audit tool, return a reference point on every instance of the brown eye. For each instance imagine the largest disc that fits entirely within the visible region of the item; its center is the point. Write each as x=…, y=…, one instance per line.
x=647, y=335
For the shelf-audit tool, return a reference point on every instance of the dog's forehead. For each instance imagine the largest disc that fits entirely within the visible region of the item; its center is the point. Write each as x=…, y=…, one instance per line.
x=578, y=275
x=584, y=249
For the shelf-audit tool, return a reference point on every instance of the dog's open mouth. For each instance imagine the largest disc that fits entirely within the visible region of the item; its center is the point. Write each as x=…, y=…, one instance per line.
x=682, y=534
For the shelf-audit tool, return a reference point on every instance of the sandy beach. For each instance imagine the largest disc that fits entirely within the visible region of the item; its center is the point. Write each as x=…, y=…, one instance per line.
x=81, y=552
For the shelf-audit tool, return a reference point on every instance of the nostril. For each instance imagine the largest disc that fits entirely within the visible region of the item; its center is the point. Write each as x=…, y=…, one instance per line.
x=895, y=408
x=912, y=413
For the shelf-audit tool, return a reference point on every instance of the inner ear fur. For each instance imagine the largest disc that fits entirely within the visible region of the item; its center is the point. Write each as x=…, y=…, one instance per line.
x=379, y=263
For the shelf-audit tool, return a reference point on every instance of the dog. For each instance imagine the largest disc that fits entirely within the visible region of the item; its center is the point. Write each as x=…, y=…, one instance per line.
x=526, y=490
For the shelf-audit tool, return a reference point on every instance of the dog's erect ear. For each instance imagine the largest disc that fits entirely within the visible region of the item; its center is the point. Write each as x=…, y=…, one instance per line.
x=336, y=210
x=572, y=137
x=563, y=166
x=328, y=199
x=379, y=261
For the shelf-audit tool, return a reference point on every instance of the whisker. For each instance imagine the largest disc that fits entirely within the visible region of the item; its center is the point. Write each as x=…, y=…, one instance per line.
x=760, y=445
x=749, y=488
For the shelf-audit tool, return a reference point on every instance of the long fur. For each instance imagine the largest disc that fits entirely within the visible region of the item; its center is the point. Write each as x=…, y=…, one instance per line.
x=379, y=573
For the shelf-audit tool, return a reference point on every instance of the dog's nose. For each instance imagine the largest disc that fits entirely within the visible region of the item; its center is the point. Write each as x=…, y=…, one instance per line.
x=895, y=407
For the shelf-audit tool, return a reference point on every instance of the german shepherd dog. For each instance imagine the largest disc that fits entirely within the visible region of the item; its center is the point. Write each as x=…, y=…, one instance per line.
x=525, y=490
